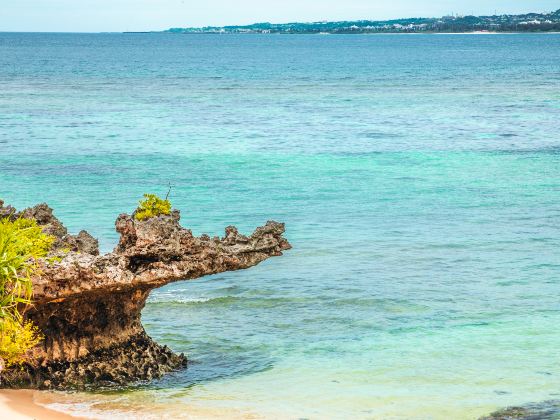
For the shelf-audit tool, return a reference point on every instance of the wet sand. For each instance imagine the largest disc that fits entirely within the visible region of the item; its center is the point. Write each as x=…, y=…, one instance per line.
x=20, y=405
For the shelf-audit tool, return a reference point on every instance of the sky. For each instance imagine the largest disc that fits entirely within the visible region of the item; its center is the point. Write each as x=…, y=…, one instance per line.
x=145, y=15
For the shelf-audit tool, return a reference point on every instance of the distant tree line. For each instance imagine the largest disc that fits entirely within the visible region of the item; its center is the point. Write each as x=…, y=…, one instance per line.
x=531, y=22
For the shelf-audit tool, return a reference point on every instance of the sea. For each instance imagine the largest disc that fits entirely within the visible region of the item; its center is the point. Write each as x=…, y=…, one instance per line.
x=418, y=177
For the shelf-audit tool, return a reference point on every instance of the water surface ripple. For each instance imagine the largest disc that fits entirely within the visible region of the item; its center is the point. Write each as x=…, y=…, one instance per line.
x=418, y=177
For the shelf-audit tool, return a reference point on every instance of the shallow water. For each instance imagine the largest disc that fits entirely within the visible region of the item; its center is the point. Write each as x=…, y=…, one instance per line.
x=418, y=177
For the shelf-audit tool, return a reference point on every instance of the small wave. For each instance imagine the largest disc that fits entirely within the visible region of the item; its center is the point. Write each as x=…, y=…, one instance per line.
x=87, y=410
x=169, y=299
x=228, y=300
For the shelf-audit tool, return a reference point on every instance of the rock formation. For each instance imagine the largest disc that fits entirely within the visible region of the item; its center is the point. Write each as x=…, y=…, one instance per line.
x=536, y=411
x=88, y=305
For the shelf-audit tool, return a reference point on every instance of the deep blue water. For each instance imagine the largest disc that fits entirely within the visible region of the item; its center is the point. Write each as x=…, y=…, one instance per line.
x=418, y=177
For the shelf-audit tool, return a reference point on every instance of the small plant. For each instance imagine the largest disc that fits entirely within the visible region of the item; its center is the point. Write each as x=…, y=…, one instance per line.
x=22, y=242
x=152, y=206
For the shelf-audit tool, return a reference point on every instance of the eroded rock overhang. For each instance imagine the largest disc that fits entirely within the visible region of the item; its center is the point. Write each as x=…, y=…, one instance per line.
x=88, y=305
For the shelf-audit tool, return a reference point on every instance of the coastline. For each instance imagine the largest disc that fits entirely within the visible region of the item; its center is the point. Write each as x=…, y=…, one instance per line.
x=348, y=34
x=101, y=406
x=21, y=405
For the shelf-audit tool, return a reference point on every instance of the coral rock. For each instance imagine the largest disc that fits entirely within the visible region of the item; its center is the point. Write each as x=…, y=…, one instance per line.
x=88, y=305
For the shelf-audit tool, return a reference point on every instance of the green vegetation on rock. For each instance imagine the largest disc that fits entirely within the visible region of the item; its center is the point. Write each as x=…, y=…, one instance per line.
x=152, y=206
x=22, y=243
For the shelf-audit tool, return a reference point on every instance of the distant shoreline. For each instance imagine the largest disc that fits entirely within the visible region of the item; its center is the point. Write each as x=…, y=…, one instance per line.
x=338, y=33
x=454, y=23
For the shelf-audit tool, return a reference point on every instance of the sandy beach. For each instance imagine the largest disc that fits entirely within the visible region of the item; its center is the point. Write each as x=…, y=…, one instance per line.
x=20, y=405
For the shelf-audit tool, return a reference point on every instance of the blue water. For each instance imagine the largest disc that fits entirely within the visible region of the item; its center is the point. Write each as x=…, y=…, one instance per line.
x=418, y=177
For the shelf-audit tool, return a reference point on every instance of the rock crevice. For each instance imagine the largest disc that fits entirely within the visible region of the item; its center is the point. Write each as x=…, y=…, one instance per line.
x=88, y=305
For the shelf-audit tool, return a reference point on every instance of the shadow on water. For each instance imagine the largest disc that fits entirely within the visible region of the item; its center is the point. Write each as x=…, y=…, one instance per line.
x=217, y=364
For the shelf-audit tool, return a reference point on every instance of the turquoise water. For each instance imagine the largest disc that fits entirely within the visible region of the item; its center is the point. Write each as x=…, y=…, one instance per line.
x=418, y=177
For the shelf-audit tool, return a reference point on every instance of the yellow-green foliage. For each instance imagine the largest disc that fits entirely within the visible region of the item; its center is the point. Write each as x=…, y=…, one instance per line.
x=21, y=242
x=16, y=338
x=152, y=206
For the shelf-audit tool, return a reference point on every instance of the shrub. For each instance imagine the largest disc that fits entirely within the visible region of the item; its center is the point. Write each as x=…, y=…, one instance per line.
x=22, y=242
x=152, y=206
x=16, y=339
